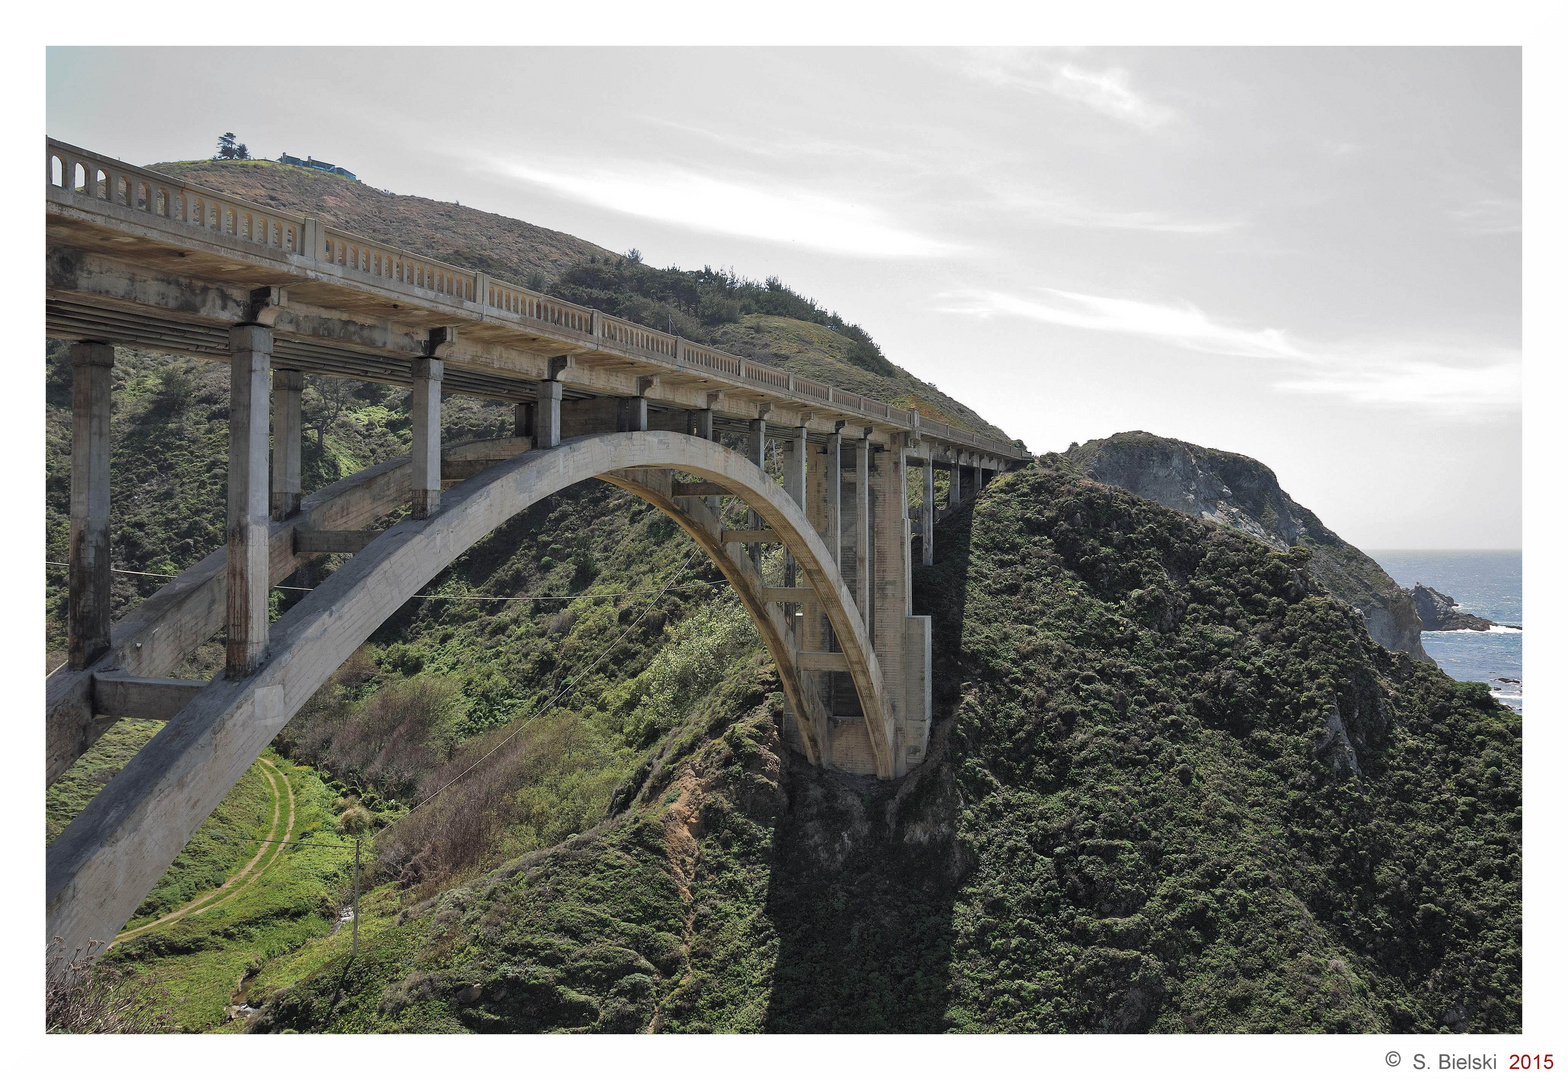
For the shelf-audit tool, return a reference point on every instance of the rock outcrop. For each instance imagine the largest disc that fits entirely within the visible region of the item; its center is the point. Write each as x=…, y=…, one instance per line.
x=1243, y=494
x=1441, y=612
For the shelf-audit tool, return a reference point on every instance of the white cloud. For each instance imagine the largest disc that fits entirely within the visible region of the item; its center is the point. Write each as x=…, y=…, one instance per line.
x=1108, y=91
x=699, y=201
x=1058, y=208
x=1459, y=379
x=1183, y=325
x=1488, y=217
x=1456, y=382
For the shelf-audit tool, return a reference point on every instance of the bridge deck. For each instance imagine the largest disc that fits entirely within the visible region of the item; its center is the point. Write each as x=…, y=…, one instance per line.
x=141, y=258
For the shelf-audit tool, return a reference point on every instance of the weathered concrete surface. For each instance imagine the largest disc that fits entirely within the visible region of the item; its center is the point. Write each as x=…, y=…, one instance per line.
x=288, y=389
x=118, y=694
x=87, y=620
x=247, y=594
x=103, y=864
x=425, y=412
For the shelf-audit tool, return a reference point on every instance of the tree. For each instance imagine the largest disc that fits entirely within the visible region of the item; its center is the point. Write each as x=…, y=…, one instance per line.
x=323, y=402
x=231, y=150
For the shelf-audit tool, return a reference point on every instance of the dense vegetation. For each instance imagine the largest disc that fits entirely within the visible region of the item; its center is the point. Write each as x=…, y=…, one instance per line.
x=1180, y=790
x=692, y=302
x=1238, y=491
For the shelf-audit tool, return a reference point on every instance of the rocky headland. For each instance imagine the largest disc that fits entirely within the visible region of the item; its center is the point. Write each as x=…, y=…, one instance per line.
x=1441, y=612
x=1236, y=491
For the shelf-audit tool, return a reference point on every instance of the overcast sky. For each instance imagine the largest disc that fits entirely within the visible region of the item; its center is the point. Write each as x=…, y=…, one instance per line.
x=1310, y=256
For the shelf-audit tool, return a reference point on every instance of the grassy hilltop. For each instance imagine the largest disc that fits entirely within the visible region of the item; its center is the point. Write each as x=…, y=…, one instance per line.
x=764, y=321
x=1174, y=785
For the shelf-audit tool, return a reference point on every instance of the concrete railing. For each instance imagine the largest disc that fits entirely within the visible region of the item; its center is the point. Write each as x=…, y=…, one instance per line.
x=97, y=177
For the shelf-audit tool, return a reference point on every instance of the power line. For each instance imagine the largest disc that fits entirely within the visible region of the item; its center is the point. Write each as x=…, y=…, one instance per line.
x=462, y=596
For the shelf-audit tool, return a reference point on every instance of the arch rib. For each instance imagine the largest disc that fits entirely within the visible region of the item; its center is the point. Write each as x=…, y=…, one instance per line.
x=108, y=858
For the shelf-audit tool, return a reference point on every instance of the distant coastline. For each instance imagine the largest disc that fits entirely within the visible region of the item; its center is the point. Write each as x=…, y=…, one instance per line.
x=1484, y=583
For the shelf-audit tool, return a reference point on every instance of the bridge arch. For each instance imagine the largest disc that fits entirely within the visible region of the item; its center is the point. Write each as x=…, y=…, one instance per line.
x=110, y=856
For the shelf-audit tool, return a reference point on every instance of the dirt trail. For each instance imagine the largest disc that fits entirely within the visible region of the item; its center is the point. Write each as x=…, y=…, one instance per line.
x=266, y=855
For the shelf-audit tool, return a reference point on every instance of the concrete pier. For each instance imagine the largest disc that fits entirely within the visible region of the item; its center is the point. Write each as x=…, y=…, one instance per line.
x=288, y=389
x=425, y=411
x=250, y=378
x=87, y=616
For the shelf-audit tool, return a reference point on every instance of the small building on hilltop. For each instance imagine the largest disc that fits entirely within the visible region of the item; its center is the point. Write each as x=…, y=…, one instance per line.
x=311, y=163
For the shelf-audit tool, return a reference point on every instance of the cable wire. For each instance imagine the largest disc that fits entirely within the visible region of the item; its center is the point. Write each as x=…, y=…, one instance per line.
x=460, y=596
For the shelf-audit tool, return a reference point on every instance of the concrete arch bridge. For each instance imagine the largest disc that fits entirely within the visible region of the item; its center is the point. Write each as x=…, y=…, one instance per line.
x=138, y=258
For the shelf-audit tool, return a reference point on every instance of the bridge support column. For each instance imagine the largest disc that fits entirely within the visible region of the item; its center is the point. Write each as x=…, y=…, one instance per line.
x=759, y=457
x=92, y=386
x=863, y=530
x=832, y=496
x=928, y=515
x=547, y=421
x=954, y=486
x=288, y=388
x=634, y=414
x=523, y=419
x=248, y=587
x=890, y=552
x=795, y=465
x=426, y=413
x=702, y=427
x=824, y=480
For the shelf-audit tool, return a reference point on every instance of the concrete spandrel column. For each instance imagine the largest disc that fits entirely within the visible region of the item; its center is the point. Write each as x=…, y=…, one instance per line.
x=547, y=421
x=759, y=444
x=702, y=423
x=425, y=411
x=248, y=585
x=636, y=414
x=928, y=515
x=796, y=462
x=954, y=486
x=833, y=494
x=795, y=481
x=87, y=575
x=287, y=429
x=890, y=585
x=523, y=419
x=863, y=529
x=759, y=451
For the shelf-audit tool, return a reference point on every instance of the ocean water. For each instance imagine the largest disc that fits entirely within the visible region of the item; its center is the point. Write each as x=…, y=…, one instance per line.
x=1485, y=583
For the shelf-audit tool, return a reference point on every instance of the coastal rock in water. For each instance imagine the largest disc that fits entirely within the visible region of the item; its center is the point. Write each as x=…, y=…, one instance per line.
x=1440, y=612
x=1243, y=494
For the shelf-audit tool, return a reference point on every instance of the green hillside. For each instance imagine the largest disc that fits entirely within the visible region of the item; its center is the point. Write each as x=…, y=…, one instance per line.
x=1179, y=789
